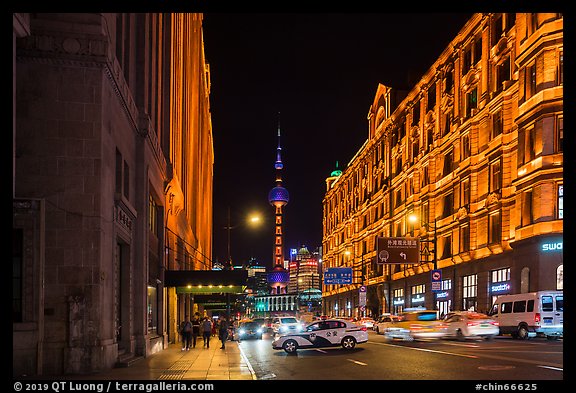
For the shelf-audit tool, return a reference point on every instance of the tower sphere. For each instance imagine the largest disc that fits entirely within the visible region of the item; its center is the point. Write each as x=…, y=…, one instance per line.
x=278, y=196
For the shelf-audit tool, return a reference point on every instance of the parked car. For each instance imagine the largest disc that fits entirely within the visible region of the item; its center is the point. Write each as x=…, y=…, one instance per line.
x=469, y=324
x=385, y=321
x=418, y=324
x=284, y=325
x=530, y=314
x=249, y=329
x=322, y=334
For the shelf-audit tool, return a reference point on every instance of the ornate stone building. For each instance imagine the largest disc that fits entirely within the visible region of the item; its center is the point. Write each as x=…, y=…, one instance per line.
x=113, y=165
x=475, y=151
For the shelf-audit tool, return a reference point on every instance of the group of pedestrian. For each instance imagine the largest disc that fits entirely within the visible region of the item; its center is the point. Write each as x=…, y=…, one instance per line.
x=191, y=329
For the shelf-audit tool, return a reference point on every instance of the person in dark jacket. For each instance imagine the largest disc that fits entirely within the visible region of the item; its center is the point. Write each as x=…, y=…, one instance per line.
x=186, y=332
x=223, y=332
x=195, y=328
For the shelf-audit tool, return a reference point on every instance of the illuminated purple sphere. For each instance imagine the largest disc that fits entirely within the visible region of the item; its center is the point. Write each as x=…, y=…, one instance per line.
x=278, y=196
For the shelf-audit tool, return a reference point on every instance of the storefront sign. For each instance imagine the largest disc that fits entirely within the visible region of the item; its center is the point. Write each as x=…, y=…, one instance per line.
x=442, y=295
x=398, y=302
x=418, y=299
x=500, y=287
x=557, y=246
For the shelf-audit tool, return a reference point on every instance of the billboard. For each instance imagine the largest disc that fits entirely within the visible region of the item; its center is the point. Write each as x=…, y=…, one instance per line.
x=397, y=250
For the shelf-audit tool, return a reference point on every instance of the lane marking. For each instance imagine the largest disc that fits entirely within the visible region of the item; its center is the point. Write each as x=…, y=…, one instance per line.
x=357, y=362
x=245, y=358
x=428, y=350
x=321, y=350
x=553, y=368
x=463, y=345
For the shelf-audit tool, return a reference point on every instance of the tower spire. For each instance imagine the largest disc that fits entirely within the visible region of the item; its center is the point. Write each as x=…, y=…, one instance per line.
x=278, y=164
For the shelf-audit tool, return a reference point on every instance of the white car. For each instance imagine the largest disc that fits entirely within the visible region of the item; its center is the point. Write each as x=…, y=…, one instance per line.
x=284, y=325
x=384, y=322
x=470, y=324
x=322, y=334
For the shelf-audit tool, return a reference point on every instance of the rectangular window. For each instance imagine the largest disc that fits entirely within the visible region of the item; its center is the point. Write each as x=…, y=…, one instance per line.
x=448, y=82
x=530, y=82
x=152, y=215
x=465, y=192
x=502, y=73
x=477, y=49
x=465, y=150
x=494, y=228
x=561, y=201
x=126, y=179
x=495, y=176
x=448, y=205
x=416, y=114
x=510, y=20
x=447, y=249
x=448, y=163
x=519, y=306
x=425, y=176
x=497, y=124
x=467, y=59
x=429, y=138
x=471, y=101
x=465, y=238
x=496, y=29
x=431, y=97
x=561, y=69
x=506, y=308
x=469, y=292
x=559, y=134
x=500, y=275
x=447, y=122
x=526, y=217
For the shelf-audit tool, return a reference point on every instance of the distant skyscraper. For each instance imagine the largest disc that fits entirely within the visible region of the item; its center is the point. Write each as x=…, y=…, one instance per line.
x=278, y=197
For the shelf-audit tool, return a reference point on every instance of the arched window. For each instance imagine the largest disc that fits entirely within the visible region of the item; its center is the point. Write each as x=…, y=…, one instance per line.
x=560, y=278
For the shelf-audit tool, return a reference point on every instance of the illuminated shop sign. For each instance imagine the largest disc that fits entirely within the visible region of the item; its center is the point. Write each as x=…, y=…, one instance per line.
x=500, y=287
x=398, y=301
x=557, y=246
x=442, y=295
x=418, y=299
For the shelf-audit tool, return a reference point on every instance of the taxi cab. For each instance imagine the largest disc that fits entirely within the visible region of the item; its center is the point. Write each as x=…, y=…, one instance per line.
x=322, y=334
x=415, y=324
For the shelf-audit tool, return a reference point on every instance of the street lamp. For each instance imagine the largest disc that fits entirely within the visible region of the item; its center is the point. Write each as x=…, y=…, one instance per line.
x=413, y=219
x=253, y=220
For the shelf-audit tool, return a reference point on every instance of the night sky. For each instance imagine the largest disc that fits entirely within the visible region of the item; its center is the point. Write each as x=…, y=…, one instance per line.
x=320, y=72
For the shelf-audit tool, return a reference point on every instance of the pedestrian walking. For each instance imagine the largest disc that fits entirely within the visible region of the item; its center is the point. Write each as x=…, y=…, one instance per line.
x=206, y=331
x=186, y=332
x=195, y=328
x=215, y=327
x=223, y=332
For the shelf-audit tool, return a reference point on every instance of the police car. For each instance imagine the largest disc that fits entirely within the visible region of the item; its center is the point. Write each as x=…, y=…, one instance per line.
x=322, y=334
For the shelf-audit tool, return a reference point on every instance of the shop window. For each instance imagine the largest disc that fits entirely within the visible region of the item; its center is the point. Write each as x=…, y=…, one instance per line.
x=469, y=292
x=560, y=278
x=561, y=201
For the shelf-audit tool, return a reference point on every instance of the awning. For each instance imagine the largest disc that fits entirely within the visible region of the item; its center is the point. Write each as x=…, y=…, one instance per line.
x=206, y=281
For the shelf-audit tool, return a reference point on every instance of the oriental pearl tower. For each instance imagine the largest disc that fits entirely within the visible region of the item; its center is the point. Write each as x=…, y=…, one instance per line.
x=278, y=197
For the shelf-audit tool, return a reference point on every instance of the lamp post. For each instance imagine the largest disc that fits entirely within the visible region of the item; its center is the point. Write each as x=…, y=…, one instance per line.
x=253, y=220
x=413, y=218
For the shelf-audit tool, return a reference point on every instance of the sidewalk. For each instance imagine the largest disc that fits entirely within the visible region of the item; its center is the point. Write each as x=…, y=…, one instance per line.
x=174, y=364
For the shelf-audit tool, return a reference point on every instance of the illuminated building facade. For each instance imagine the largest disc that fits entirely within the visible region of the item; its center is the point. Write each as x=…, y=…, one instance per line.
x=113, y=166
x=475, y=150
x=303, y=271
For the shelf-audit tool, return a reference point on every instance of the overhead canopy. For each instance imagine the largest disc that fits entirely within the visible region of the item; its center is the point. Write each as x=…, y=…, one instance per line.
x=206, y=281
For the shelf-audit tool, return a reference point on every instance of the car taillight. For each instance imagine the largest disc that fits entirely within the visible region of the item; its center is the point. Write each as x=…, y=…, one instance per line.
x=537, y=317
x=415, y=326
x=472, y=323
x=495, y=323
x=363, y=328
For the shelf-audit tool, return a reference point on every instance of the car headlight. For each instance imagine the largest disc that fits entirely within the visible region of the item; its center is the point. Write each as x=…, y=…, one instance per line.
x=242, y=331
x=282, y=328
x=259, y=330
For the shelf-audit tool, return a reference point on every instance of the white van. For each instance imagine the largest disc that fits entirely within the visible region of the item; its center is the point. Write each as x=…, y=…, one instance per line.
x=530, y=314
